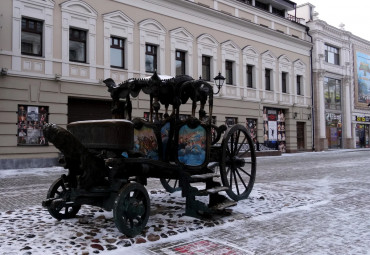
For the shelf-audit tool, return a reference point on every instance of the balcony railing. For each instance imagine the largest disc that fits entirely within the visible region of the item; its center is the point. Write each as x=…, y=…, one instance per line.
x=277, y=12
x=294, y=18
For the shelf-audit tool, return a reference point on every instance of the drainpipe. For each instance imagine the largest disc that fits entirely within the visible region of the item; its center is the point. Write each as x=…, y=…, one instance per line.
x=312, y=94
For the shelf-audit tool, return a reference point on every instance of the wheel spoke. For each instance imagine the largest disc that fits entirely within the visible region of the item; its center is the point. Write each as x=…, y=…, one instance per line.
x=231, y=178
x=63, y=186
x=139, y=220
x=175, y=185
x=232, y=143
x=240, y=177
x=228, y=152
x=241, y=144
x=131, y=223
x=236, y=142
x=241, y=169
x=236, y=183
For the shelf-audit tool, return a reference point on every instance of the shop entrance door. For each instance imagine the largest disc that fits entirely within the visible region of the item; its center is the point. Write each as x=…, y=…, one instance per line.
x=300, y=136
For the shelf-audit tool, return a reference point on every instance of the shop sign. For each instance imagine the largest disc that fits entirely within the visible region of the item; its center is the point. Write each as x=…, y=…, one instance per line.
x=363, y=118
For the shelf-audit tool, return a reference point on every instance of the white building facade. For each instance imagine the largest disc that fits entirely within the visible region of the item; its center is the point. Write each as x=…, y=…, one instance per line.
x=54, y=56
x=341, y=84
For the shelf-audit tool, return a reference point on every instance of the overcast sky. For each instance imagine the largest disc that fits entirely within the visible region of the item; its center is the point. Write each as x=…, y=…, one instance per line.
x=354, y=14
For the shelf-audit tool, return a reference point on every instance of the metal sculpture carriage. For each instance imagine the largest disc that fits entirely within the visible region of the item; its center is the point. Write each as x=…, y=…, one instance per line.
x=111, y=161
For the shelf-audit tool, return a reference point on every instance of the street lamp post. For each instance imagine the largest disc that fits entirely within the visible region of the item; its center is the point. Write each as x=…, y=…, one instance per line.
x=219, y=82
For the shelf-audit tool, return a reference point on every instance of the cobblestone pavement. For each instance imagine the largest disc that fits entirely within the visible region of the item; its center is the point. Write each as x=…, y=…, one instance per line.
x=310, y=203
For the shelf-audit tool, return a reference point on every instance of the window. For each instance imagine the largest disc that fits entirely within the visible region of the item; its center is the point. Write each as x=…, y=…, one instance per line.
x=249, y=76
x=332, y=93
x=150, y=58
x=77, y=45
x=31, y=38
x=229, y=72
x=299, y=81
x=180, y=62
x=267, y=79
x=117, y=52
x=284, y=82
x=31, y=120
x=206, y=68
x=261, y=5
x=229, y=121
x=278, y=12
x=331, y=55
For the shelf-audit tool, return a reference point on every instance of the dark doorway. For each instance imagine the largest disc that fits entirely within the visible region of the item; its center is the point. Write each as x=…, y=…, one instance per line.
x=300, y=136
x=88, y=109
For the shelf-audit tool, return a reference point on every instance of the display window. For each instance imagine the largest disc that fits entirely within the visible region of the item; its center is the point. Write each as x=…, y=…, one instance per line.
x=252, y=128
x=362, y=136
x=334, y=130
x=274, y=134
x=31, y=120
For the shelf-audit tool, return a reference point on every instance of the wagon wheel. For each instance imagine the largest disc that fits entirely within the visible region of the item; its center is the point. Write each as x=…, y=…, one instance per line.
x=131, y=209
x=238, y=162
x=170, y=185
x=59, y=190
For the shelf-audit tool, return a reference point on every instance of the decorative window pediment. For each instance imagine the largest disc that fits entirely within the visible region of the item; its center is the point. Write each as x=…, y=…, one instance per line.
x=119, y=18
x=250, y=51
x=283, y=59
x=207, y=40
x=298, y=64
x=44, y=3
x=79, y=7
x=152, y=25
x=181, y=33
x=230, y=46
x=267, y=55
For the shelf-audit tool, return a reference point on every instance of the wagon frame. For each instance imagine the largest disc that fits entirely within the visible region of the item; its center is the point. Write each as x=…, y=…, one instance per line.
x=111, y=161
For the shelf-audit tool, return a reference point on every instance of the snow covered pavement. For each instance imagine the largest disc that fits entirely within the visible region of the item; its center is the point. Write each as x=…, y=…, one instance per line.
x=312, y=203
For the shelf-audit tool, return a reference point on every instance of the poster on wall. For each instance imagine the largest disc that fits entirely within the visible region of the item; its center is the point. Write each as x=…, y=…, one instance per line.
x=274, y=128
x=362, y=79
x=31, y=120
x=252, y=128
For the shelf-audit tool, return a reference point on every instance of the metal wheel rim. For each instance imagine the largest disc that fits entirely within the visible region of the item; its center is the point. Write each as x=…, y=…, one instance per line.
x=131, y=209
x=59, y=190
x=239, y=179
x=170, y=185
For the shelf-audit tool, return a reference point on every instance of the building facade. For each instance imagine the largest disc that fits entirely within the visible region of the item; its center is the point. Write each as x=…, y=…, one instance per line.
x=341, y=84
x=55, y=54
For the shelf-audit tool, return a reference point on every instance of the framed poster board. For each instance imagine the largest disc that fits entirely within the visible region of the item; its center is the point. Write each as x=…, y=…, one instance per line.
x=31, y=120
x=362, y=79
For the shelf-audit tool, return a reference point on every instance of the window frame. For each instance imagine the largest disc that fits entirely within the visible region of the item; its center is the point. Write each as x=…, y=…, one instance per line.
x=229, y=72
x=284, y=82
x=180, y=57
x=74, y=39
x=153, y=53
x=121, y=48
x=299, y=85
x=33, y=31
x=207, y=66
x=229, y=121
x=329, y=49
x=335, y=86
x=267, y=79
x=250, y=76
